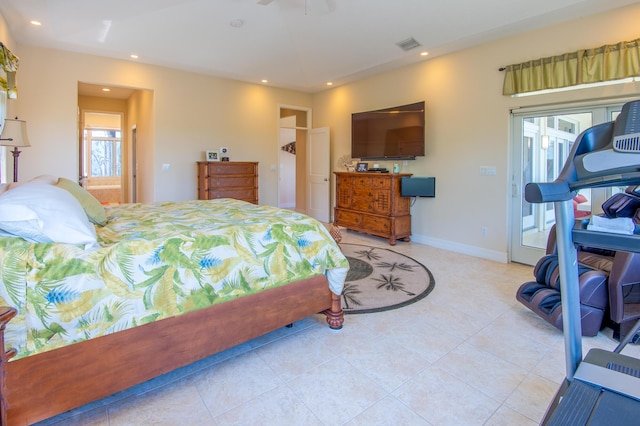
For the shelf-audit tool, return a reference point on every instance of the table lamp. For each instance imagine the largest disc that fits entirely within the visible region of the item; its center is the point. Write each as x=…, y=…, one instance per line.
x=14, y=133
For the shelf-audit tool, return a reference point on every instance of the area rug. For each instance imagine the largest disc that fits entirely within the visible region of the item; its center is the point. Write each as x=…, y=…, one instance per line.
x=380, y=279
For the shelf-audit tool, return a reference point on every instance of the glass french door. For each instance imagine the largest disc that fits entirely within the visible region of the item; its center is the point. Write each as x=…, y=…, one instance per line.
x=541, y=143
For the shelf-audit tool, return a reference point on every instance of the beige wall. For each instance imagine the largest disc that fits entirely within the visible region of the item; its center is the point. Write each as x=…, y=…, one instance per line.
x=193, y=113
x=141, y=116
x=468, y=124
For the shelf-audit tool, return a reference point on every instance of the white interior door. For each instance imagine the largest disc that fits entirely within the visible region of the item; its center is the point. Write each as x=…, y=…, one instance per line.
x=318, y=169
x=287, y=165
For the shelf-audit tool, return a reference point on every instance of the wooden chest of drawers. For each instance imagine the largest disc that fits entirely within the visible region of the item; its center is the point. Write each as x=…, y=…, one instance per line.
x=227, y=179
x=371, y=203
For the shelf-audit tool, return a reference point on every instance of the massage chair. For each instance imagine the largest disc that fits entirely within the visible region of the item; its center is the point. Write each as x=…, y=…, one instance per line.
x=609, y=282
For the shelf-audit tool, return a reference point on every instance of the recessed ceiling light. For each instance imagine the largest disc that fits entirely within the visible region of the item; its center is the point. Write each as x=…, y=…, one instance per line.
x=106, y=89
x=264, y=80
x=36, y=23
x=133, y=56
x=424, y=53
x=329, y=83
x=236, y=23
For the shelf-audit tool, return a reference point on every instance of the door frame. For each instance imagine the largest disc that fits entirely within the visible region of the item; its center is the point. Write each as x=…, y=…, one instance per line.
x=133, y=198
x=82, y=154
x=600, y=111
x=300, y=183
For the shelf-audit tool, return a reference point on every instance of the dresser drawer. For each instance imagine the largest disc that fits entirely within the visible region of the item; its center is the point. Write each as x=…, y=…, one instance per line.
x=362, y=204
x=347, y=218
x=238, y=194
x=362, y=182
x=362, y=191
x=344, y=181
x=232, y=182
x=381, y=182
x=231, y=169
x=377, y=224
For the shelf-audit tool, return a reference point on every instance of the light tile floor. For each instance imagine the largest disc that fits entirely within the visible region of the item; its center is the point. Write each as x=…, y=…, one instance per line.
x=468, y=354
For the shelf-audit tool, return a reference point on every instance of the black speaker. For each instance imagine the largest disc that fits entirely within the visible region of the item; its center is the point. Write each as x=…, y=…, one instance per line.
x=418, y=187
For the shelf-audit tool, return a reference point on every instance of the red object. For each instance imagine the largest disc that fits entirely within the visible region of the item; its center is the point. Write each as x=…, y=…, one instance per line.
x=579, y=199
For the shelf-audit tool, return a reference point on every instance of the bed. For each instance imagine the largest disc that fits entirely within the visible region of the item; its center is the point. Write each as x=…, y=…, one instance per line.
x=138, y=290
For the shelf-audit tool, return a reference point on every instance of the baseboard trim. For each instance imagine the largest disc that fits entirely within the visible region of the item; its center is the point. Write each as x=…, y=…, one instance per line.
x=480, y=252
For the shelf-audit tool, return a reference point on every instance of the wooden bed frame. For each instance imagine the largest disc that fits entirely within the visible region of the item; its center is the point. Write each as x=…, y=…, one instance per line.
x=40, y=386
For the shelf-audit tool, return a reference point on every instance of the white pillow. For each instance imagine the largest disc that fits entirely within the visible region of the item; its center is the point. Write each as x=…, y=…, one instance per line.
x=40, y=212
x=50, y=179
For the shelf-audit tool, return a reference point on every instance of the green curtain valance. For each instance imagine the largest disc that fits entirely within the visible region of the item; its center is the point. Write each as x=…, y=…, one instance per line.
x=9, y=64
x=605, y=63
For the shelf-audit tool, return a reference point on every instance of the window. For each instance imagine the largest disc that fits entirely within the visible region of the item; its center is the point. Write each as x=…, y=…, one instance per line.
x=104, y=150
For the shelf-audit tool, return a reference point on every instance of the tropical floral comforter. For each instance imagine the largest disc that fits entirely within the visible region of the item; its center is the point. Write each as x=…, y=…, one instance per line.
x=157, y=261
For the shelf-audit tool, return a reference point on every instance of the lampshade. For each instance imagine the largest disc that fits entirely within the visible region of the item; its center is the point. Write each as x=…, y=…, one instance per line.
x=14, y=133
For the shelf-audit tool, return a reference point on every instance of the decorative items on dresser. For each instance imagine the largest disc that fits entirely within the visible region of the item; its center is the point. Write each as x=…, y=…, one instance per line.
x=371, y=203
x=228, y=179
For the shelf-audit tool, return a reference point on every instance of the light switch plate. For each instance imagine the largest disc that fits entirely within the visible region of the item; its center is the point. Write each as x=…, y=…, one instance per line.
x=487, y=171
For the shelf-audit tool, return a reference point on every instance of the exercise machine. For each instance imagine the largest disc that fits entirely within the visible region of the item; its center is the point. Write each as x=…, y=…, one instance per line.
x=604, y=388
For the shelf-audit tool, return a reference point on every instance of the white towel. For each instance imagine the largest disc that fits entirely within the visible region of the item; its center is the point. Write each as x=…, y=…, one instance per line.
x=618, y=225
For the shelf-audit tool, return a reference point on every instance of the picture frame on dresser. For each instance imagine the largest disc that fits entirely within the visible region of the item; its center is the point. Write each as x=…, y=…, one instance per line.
x=362, y=167
x=212, y=156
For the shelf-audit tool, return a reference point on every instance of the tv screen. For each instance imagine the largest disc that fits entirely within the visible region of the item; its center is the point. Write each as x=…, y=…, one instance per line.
x=390, y=133
x=418, y=187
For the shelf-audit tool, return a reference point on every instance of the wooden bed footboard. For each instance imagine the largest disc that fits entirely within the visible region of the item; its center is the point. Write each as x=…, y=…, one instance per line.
x=37, y=387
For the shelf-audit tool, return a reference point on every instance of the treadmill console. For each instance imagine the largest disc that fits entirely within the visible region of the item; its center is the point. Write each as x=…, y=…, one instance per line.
x=620, y=154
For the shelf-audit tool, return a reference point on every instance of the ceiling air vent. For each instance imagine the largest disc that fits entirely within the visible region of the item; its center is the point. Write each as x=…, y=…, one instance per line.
x=408, y=44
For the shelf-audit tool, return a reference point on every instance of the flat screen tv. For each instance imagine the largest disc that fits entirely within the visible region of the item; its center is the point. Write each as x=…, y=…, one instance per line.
x=417, y=186
x=388, y=134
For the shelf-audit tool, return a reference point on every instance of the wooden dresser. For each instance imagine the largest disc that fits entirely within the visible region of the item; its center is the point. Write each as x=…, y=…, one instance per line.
x=228, y=179
x=371, y=203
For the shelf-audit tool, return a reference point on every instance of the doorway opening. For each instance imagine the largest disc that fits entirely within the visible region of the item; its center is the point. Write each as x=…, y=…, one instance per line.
x=292, y=152
x=115, y=129
x=102, y=156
